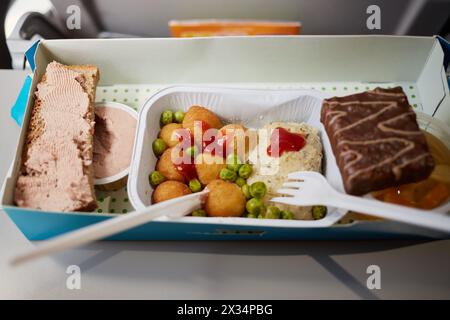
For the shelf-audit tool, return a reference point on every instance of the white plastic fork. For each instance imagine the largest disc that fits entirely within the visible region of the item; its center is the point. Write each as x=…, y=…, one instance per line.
x=307, y=188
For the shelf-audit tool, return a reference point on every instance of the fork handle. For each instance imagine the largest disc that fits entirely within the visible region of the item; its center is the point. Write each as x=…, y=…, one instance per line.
x=177, y=207
x=431, y=220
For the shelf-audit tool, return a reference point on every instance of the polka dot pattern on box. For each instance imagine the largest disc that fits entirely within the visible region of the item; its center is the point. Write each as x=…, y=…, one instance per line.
x=113, y=201
x=134, y=96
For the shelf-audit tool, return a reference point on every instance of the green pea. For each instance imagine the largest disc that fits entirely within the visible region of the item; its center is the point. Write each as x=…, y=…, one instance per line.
x=227, y=175
x=258, y=189
x=192, y=151
x=195, y=185
x=178, y=116
x=246, y=191
x=233, y=162
x=287, y=215
x=255, y=206
x=245, y=171
x=156, y=178
x=318, y=212
x=199, y=213
x=251, y=216
x=272, y=212
x=166, y=117
x=159, y=146
x=240, y=181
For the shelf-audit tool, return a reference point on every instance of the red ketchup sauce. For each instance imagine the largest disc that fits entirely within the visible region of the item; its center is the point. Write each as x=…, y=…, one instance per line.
x=187, y=170
x=287, y=141
x=213, y=145
x=187, y=139
x=216, y=146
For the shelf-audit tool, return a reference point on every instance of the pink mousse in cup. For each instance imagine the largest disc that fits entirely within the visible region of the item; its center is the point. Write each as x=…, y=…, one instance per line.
x=114, y=134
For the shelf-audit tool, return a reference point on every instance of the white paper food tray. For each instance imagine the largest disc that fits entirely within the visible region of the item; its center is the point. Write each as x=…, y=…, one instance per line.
x=133, y=69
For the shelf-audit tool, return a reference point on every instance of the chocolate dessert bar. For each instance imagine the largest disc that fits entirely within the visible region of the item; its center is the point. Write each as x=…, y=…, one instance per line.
x=376, y=140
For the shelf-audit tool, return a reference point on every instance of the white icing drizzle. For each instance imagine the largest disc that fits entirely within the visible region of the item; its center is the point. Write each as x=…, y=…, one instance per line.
x=338, y=115
x=389, y=105
x=409, y=145
x=382, y=125
x=389, y=94
x=407, y=162
x=358, y=157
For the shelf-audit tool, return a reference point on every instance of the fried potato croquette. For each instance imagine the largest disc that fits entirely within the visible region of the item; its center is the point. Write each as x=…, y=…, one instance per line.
x=237, y=141
x=166, y=167
x=230, y=128
x=168, y=135
x=225, y=199
x=197, y=113
x=169, y=190
x=208, y=167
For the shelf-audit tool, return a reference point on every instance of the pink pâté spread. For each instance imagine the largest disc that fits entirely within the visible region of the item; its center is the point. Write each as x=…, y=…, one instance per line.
x=113, y=141
x=56, y=163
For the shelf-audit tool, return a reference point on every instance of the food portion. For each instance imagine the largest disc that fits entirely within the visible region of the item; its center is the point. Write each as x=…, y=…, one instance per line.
x=166, y=166
x=241, y=169
x=376, y=140
x=429, y=193
x=225, y=199
x=298, y=149
x=237, y=139
x=57, y=161
x=208, y=167
x=113, y=141
x=169, y=190
x=168, y=134
x=200, y=116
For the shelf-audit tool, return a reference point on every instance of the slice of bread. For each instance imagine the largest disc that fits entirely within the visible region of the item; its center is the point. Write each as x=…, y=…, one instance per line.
x=78, y=200
x=91, y=77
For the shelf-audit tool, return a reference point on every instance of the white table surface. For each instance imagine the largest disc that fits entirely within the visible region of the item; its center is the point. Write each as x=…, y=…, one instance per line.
x=215, y=270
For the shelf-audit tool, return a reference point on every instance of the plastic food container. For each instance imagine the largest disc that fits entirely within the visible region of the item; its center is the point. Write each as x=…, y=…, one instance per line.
x=119, y=180
x=434, y=126
x=441, y=131
x=253, y=108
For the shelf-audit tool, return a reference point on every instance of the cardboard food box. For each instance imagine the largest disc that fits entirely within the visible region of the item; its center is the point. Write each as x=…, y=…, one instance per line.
x=132, y=70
